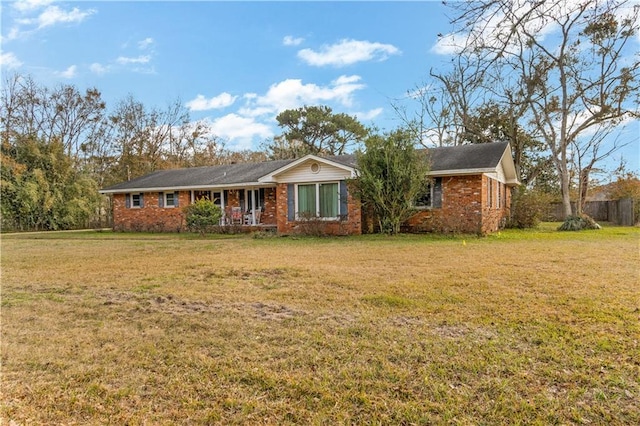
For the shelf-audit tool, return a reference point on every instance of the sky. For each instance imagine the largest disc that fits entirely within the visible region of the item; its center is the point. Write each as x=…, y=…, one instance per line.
x=236, y=64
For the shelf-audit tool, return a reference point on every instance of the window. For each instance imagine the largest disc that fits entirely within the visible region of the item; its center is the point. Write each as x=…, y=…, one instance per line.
x=318, y=200
x=489, y=192
x=136, y=200
x=169, y=199
x=430, y=198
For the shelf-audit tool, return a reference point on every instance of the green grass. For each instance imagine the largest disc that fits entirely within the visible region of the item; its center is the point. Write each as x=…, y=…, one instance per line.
x=520, y=327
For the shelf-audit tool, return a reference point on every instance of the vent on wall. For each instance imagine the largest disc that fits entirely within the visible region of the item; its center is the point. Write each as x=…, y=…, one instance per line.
x=315, y=167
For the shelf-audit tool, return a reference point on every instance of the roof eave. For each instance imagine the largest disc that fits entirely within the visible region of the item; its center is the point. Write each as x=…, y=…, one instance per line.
x=184, y=188
x=461, y=172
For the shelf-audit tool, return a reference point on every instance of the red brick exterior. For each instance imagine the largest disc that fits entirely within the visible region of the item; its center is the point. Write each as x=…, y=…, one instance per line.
x=468, y=206
x=268, y=216
x=350, y=226
x=150, y=217
x=465, y=207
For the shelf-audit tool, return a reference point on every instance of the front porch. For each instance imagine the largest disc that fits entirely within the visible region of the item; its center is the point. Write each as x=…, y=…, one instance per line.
x=245, y=206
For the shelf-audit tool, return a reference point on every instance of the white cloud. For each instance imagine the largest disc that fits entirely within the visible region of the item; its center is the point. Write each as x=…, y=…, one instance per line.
x=200, y=103
x=53, y=15
x=347, y=52
x=9, y=60
x=144, y=44
x=29, y=5
x=292, y=93
x=33, y=18
x=13, y=34
x=142, y=59
x=369, y=115
x=292, y=41
x=240, y=131
x=69, y=72
x=448, y=44
x=99, y=69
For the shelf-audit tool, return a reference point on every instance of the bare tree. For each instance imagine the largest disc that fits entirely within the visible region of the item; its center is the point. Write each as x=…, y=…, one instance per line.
x=577, y=73
x=65, y=113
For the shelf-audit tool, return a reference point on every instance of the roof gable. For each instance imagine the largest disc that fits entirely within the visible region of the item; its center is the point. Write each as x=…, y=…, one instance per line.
x=339, y=162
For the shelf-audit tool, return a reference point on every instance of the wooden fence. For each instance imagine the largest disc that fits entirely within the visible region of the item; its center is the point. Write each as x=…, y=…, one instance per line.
x=620, y=212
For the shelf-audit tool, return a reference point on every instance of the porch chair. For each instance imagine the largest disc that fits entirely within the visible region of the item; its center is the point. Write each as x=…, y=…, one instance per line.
x=248, y=218
x=236, y=216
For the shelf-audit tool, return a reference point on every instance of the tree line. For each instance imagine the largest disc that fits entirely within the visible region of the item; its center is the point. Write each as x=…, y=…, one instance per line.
x=556, y=98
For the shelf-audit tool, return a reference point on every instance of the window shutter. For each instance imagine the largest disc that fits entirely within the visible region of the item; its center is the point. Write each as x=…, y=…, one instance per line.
x=291, y=211
x=127, y=201
x=141, y=200
x=344, y=206
x=437, y=193
x=160, y=199
x=175, y=199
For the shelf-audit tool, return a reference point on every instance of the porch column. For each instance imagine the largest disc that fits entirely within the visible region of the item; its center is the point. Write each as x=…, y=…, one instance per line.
x=223, y=219
x=253, y=210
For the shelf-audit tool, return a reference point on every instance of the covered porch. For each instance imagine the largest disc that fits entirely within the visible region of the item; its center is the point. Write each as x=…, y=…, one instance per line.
x=251, y=206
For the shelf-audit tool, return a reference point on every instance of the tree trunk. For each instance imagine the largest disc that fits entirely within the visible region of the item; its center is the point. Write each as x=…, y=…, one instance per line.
x=582, y=193
x=564, y=190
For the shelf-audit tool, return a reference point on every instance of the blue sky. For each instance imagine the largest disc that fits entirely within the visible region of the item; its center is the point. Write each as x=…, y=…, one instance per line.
x=236, y=64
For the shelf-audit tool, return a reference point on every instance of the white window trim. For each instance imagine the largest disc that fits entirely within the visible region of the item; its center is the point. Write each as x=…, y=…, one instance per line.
x=317, y=184
x=132, y=205
x=166, y=205
x=490, y=195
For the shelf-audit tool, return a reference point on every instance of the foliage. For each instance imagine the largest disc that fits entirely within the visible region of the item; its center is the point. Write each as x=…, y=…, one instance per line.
x=40, y=189
x=626, y=185
x=202, y=216
x=315, y=130
x=528, y=208
x=571, y=88
x=578, y=223
x=392, y=173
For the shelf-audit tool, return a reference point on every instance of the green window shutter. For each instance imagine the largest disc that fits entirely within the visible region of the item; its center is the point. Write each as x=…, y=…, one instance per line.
x=344, y=206
x=160, y=199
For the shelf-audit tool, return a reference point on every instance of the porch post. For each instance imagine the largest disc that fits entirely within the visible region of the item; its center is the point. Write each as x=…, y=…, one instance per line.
x=223, y=218
x=253, y=210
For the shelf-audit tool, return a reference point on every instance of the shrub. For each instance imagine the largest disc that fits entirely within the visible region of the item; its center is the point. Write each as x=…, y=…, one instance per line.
x=528, y=207
x=578, y=223
x=202, y=216
x=311, y=226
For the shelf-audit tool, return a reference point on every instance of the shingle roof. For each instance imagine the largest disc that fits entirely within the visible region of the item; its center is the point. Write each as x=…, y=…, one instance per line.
x=227, y=174
x=463, y=157
x=467, y=157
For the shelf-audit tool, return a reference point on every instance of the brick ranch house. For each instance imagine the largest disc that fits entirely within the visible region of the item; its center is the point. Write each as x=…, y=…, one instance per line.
x=468, y=192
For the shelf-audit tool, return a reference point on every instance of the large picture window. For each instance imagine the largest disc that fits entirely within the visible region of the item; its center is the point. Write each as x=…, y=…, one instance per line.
x=318, y=200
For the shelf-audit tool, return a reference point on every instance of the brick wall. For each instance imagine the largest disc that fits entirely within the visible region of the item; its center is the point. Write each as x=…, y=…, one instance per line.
x=268, y=216
x=350, y=226
x=461, y=208
x=150, y=217
x=464, y=207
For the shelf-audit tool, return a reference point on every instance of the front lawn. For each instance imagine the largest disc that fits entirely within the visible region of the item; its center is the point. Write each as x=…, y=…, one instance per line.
x=529, y=327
